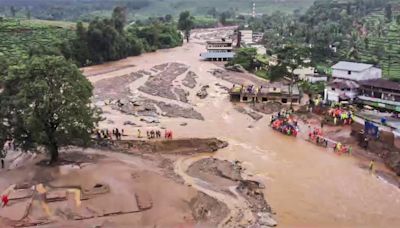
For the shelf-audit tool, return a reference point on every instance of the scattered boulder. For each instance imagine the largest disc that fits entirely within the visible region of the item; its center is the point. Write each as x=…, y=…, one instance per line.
x=150, y=120
x=222, y=87
x=190, y=81
x=236, y=68
x=203, y=92
x=184, y=124
x=265, y=219
x=128, y=122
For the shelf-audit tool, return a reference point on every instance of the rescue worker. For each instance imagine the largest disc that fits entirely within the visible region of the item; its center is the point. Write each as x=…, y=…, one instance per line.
x=371, y=166
x=4, y=200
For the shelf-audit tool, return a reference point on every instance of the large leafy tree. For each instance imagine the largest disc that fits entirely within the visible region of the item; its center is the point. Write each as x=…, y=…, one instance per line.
x=46, y=102
x=245, y=57
x=119, y=18
x=186, y=23
x=3, y=127
x=289, y=58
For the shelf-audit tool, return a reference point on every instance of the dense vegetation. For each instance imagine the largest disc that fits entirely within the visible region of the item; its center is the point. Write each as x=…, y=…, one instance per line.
x=246, y=57
x=361, y=30
x=100, y=40
x=87, y=10
x=45, y=102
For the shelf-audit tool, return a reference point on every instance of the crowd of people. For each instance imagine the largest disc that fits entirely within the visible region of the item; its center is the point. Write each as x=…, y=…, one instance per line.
x=340, y=116
x=117, y=134
x=106, y=134
x=251, y=89
x=316, y=136
x=153, y=134
x=284, y=123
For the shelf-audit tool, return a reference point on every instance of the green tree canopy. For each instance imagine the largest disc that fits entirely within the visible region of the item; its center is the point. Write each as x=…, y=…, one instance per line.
x=46, y=102
x=186, y=23
x=245, y=57
x=119, y=18
x=289, y=58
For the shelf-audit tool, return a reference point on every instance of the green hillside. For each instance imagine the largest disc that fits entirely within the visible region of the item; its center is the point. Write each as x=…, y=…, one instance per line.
x=139, y=9
x=17, y=38
x=379, y=46
x=385, y=49
x=238, y=6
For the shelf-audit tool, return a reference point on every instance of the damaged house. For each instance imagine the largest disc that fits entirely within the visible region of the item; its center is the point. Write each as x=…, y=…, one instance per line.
x=279, y=92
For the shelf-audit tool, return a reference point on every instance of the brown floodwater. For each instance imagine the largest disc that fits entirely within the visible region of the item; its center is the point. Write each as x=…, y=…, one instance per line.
x=307, y=186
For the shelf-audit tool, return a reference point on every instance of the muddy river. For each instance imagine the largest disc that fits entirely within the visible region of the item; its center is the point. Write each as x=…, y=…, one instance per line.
x=307, y=186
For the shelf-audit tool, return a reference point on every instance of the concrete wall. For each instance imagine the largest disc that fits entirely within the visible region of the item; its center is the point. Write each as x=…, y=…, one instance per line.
x=312, y=79
x=371, y=73
x=246, y=36
x=330, y=95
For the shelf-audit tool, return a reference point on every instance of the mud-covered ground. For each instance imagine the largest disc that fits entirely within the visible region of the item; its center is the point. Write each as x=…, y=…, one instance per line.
x=173, y=90
x=161, y=94
x=145, y=190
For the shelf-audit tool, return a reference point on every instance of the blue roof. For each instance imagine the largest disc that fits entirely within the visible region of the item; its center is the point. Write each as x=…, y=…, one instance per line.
x=210, y=55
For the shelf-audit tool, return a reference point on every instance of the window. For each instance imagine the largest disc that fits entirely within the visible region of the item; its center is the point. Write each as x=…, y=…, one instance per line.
x=349, y=72
x=333, y=89
x=348, y=89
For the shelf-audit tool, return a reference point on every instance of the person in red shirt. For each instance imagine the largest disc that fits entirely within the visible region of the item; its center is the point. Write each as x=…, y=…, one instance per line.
x=4, y=200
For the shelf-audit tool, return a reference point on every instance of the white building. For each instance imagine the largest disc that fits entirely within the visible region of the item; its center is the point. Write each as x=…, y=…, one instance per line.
x=341, y=90
x=246, y=36
x=355, y=71
x=314, y=78
x=303, y=71
x=218, y=50
x=347, y=76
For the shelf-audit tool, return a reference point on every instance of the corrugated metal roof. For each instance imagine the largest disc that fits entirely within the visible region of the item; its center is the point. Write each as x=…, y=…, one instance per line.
x=343, y=84
x=343, y=65
x=209, y=55
x=381, y=83
x=373, y=99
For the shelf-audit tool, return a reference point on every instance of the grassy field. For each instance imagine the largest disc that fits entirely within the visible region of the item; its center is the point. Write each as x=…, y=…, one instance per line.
x=18, y=37
x=60, y=24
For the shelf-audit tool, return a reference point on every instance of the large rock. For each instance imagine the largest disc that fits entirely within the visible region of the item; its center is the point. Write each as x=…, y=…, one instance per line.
x=236, y=68
x=203, y=92
x=149, y=120
x=265, y=219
